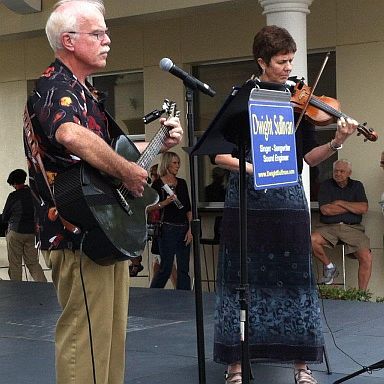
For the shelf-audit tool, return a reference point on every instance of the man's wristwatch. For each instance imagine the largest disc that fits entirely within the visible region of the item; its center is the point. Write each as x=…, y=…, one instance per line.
x=334, y=147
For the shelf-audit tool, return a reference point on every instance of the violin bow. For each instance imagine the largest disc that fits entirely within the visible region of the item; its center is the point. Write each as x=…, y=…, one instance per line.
x=312, y=89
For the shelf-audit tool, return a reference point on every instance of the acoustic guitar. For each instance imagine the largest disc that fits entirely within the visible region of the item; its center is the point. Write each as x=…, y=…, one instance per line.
x=112, y=222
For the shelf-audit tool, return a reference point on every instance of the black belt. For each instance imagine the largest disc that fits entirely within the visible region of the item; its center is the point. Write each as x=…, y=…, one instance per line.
x=175, y=224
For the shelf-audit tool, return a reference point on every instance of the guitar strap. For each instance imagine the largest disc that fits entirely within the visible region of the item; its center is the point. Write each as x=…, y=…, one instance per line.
x=32, y=144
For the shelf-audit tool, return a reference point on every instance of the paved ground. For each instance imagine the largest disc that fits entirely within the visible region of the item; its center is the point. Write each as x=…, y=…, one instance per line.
x=161, y=345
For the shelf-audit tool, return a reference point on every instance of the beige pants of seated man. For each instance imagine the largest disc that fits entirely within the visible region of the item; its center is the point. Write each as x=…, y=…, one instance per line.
x=357, y=242
x=21, y=246
x=107, y=289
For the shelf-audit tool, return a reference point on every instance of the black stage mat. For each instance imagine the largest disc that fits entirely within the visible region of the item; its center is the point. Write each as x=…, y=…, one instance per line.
x=161, y=343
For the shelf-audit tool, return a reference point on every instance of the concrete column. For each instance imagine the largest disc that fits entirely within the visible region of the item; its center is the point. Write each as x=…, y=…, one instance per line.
x=292, y=15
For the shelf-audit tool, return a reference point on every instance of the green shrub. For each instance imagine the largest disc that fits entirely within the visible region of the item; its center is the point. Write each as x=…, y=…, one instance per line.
x=338, y=293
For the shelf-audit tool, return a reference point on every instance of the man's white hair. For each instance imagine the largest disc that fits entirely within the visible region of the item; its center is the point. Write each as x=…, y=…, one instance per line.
x=65, y=18
x=343, y=161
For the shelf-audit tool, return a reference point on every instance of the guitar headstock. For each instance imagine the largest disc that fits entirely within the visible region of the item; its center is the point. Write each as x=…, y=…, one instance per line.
x=368, y=133
x=170, y=109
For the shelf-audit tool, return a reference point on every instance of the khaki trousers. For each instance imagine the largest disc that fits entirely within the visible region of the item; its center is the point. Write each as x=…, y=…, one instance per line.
x=107, y=292
x=22, y=246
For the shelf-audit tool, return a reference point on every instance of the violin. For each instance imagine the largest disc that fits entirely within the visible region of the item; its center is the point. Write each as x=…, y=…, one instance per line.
x=323, y=110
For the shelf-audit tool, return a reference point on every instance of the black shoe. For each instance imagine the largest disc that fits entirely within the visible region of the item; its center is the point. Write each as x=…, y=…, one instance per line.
x=134, y=269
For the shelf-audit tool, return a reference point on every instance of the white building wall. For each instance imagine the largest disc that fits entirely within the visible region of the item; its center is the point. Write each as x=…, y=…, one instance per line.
x=199, y=31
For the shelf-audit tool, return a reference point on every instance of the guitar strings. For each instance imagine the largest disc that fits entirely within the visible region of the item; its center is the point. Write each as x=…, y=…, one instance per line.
x=147, y=156
x=152, y=149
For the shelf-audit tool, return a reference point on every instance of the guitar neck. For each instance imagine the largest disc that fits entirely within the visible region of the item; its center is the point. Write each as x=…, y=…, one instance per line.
x=153, y=148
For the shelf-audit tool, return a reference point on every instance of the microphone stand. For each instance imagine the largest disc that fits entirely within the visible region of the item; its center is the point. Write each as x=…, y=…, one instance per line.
x=369, y=369
x=195, y=228
x=243, y=288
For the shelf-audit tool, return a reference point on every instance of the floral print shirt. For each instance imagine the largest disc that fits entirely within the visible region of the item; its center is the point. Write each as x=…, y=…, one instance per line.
x=58, y=98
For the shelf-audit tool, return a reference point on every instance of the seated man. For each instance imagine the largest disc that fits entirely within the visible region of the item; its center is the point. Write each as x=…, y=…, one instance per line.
x=342, y=202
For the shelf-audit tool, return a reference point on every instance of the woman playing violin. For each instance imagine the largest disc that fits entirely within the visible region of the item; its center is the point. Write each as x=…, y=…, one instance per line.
x=284, y=313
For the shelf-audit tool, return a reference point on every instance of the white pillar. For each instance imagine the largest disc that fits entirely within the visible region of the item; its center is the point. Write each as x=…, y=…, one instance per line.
x=292, y=15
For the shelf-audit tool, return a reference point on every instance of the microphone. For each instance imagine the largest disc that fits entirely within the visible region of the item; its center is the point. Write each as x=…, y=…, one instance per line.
x=190, y=81
x=169, y=191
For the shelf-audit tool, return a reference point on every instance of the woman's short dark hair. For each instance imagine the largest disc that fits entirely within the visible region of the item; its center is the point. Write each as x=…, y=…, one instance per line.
x=270, y=41
x=17, y=176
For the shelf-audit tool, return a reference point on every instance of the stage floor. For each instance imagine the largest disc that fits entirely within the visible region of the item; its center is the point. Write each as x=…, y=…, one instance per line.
x=161, y=344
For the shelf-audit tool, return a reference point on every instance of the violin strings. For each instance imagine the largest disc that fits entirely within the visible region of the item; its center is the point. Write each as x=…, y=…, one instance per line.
x=327, y=108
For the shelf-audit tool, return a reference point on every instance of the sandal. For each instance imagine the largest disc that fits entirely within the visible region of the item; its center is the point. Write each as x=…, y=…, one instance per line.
x=304, y=376
x=233, y=378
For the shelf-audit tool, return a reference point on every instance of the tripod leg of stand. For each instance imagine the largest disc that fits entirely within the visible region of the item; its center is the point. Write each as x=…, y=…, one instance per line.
x=329, y=371
x=370, y=368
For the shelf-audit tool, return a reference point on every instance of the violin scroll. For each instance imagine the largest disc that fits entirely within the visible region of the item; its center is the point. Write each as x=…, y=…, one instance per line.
x=368, y=133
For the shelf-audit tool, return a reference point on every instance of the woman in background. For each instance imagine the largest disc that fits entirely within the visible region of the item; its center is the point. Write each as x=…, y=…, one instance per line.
x=176, y=216
x=154, y=218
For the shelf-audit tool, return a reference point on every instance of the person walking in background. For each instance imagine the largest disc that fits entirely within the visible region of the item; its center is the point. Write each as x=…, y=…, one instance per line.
x=70, y=124
x=342, y=202
x=175, y=210
x=284, y=313
x=18, y=214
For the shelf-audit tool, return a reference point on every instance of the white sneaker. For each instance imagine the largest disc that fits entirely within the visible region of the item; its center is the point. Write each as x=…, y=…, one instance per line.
x=329, y=274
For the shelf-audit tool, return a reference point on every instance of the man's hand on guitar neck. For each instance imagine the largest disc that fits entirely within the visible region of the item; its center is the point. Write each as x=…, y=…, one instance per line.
x=174, y=138
x=175, y=134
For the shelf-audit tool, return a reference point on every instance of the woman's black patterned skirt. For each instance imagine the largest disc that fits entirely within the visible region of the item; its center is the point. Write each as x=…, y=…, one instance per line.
x=284, y=312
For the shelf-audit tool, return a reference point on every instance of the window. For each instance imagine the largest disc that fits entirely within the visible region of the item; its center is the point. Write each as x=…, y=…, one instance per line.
x=326, y=86
x=222, y=77
x=125, y=100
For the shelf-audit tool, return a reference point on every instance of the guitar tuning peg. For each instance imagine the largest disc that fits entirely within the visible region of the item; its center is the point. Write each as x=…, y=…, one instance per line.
x=365, y=124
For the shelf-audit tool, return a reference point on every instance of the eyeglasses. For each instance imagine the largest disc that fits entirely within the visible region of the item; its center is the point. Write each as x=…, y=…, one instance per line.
x=100, y=35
